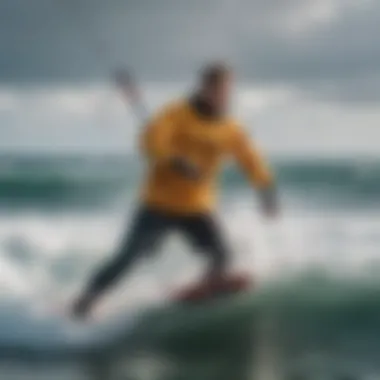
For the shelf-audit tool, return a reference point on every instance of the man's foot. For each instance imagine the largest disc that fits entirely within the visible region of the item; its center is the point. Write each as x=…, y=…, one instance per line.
x=82, y=307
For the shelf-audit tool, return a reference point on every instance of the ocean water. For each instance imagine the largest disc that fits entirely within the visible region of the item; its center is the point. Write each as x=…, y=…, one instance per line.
x=314, y=312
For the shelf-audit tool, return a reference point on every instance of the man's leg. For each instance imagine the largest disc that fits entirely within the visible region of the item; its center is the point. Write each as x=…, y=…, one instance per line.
x=206, y=235
x=148, y=228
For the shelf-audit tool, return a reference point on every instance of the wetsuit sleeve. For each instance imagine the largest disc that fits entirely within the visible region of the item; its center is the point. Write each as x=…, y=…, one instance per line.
x=156, y=142
x=251, y=160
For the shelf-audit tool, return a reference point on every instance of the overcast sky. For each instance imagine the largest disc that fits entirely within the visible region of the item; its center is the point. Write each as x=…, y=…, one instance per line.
x=319, y=56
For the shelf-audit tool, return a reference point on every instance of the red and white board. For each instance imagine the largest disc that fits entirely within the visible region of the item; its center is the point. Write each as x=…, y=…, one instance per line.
x=208, y=290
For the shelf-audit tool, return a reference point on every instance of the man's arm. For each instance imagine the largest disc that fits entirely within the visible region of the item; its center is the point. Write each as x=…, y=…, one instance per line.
x=130, y=93
x=157, y=136
x=256, y=168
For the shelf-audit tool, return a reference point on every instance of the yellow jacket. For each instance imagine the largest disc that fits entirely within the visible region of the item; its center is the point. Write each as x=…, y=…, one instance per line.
x=179, y=131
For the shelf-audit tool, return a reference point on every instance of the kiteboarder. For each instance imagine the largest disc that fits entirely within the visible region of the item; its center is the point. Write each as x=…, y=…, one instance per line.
x=185, y=145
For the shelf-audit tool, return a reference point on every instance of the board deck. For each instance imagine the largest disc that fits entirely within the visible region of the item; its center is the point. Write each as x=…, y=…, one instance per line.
x=231, y=284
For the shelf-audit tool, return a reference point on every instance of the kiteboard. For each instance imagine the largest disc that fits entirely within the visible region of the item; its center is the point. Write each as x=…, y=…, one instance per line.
x=228, y=285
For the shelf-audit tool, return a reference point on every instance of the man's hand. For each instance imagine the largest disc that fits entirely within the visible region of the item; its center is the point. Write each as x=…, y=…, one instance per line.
x=185, y=168
x=269, y=202
x=122, y=78
x=126, y=85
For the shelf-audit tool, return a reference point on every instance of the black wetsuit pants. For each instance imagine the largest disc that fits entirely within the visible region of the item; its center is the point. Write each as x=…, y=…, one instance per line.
x=148, y=229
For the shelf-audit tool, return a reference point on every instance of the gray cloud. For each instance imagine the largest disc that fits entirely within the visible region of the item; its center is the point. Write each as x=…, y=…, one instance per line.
x=325, y=47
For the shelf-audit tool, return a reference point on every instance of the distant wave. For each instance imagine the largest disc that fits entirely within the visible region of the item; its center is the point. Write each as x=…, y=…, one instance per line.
x=55, y=190
x=61, y=182
x=81, y=182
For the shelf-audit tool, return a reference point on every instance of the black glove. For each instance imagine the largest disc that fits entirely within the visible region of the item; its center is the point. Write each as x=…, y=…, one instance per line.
x=127, y=85
x=122, y=78
x=269, y=201
x=185, y=168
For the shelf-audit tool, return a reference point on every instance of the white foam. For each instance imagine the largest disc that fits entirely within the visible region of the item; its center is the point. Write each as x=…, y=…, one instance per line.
x=46, y=259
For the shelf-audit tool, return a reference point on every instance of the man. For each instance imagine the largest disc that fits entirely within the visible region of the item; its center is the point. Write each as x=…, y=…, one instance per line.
x=184, y=145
